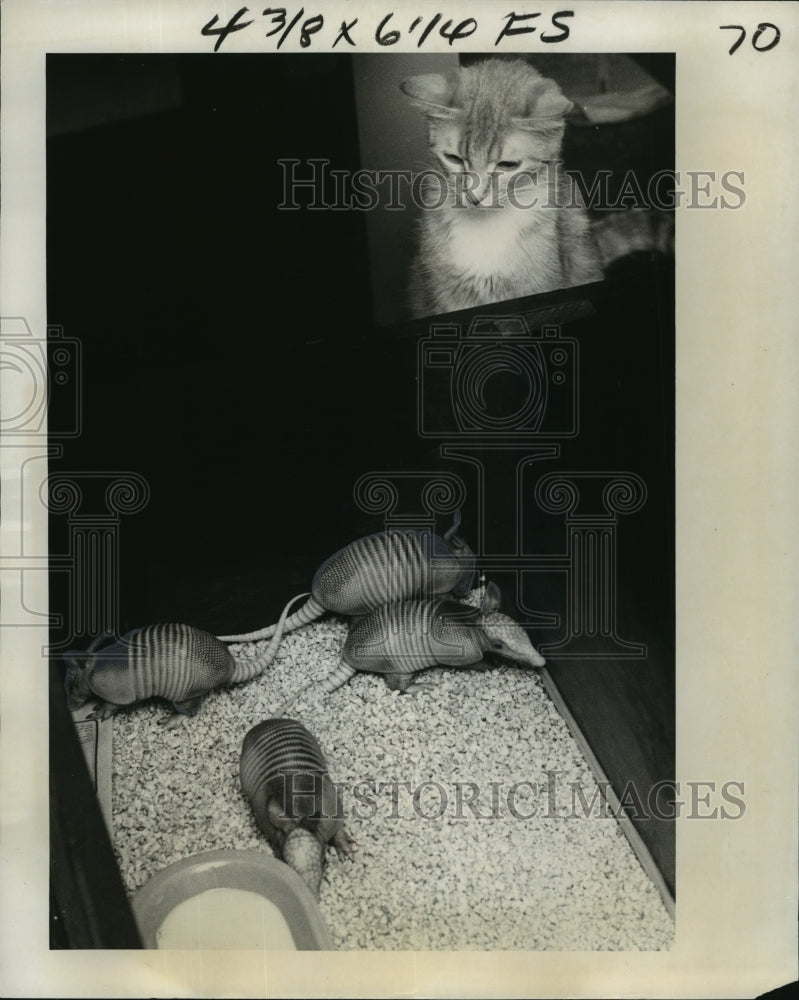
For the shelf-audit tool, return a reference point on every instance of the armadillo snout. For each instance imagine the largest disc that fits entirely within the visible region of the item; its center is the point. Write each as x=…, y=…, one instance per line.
x=537, y=660
x=304, y=853
x=510, y=641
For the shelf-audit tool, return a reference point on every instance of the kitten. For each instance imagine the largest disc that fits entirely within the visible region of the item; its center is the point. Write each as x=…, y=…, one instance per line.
x=502, y=219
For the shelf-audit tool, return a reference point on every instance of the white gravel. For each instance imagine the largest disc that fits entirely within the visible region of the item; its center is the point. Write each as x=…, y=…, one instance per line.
x=429, y=872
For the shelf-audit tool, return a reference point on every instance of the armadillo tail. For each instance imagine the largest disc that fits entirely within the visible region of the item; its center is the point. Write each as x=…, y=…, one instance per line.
x=311, y=610
x=247, y=669
x=337, y=679
x=280, y=712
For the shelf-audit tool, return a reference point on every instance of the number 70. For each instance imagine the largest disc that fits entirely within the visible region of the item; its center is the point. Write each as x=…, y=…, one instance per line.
x=761, y=28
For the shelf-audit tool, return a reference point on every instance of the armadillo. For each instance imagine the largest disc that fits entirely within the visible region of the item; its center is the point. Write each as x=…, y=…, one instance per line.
x=398, y=640
x=177, y=662
x=380, y=569
x=284, y=775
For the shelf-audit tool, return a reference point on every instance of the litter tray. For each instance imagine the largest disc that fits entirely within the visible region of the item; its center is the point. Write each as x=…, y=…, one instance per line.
x=229, y=900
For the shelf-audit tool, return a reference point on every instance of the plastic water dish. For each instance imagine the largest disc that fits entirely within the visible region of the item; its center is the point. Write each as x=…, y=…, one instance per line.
x=229, y=900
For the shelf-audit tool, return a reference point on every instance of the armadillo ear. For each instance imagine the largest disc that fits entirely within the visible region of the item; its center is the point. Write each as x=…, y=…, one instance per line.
x=97, y=641
x=278, y=818
x=492, y=598
x=456, y=523
x=455, y=543
x=432, y=92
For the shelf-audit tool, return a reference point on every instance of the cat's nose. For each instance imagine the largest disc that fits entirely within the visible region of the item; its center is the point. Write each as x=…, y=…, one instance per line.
x=485, y=192
x=479, y=194
x=474, y=189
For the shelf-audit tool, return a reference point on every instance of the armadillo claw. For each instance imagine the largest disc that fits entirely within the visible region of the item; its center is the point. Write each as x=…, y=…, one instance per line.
x=172, y=721
x=103, y=711
x=418, y=687
x=345, y=846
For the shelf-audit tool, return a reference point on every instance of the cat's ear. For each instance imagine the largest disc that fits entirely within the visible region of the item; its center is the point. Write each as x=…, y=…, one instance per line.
x=543, y=102
x=432, y=92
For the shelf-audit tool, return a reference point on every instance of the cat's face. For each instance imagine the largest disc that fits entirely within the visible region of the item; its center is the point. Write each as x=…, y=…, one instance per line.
x=492, y=128
x=503, y=171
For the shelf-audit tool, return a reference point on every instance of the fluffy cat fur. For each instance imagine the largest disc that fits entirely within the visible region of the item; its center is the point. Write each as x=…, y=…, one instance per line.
x=495, y=130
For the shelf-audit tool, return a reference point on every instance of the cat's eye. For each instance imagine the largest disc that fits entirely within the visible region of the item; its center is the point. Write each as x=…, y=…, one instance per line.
x=452, y=158
x=508, y=164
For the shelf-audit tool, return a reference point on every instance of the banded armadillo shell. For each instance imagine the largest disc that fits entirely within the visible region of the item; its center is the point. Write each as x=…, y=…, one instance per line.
x=281, y=760
x=174, y=661
x=387, y=567
x=380, y=569
x=409, y=636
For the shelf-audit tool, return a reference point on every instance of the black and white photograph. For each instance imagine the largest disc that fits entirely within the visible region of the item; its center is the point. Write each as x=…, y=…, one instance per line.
x=378, y=504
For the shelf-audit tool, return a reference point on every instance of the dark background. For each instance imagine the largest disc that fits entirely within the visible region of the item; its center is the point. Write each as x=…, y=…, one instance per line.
x=229, y=357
